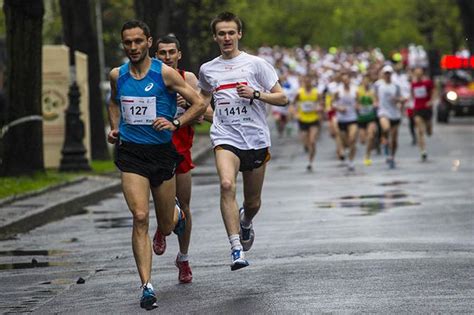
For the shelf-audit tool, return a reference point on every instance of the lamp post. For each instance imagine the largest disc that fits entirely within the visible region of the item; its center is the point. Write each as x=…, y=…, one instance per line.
x=73, y=151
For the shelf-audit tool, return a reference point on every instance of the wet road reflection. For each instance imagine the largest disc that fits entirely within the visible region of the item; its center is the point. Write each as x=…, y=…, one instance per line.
x=371, y=204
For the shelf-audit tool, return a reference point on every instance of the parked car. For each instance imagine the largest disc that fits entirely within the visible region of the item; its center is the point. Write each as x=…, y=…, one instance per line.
x=457, y=88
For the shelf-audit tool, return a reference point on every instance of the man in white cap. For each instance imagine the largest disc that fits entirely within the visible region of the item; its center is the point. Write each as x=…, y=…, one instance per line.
x=389, y=101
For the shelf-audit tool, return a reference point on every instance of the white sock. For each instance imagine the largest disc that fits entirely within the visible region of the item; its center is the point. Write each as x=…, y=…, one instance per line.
x=182, y=257
x=179, y=212
x=246, y=223
x=148, y=285
x=234, y=240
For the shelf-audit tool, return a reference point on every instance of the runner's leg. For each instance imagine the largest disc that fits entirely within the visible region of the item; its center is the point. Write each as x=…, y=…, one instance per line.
x=227, y=164
x=371, y=130
x=312, y=137
x=165, y=205
x=393, y=140
x=136, y=190
x=352, y=140
x=253, y=183
x=183, y=193
x=420, y=129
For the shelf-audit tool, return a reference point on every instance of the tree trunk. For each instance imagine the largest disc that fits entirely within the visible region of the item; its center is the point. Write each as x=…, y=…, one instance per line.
x=466, y=9
x=157, y=14
x=85, y=40
x=23, y=143
x=186, y=19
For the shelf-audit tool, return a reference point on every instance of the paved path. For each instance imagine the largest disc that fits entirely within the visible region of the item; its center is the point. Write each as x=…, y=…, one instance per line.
x=378, y=240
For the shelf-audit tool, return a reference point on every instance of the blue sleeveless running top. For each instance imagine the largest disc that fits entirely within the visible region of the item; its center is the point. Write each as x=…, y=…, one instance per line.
x=132, y=94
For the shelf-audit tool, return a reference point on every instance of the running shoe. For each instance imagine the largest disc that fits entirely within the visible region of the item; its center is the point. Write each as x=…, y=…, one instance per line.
x=148, y=299
x=247, y=235
x=391, y=163
x=179, y=228
x=367, y=162
x=385, y=150
x=350, y=166
x=309, y=168
x=159, y=243
x=237, y=260
x=424, y=156
x=185, y=274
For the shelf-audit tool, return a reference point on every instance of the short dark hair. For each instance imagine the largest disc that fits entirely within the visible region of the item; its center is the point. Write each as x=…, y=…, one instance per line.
x=169, y=39
x=136, y=23
x=226, y=17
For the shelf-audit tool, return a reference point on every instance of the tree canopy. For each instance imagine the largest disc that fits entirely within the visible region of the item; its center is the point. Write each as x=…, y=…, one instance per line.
x=360, y=23
x=435, y=24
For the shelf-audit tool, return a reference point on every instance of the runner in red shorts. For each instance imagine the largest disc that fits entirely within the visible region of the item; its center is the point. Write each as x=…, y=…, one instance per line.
x=168, y=51
x=422, y=92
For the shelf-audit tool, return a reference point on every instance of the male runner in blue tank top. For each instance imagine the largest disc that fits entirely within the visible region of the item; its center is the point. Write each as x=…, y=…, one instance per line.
x=141, y=114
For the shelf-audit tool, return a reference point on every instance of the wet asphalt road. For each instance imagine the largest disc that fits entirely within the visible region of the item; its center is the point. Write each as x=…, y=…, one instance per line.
x=377, y=240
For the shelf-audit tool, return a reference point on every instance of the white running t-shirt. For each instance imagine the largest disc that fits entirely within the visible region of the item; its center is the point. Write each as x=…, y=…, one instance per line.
x=236, y=122
x=348, y=100
x=386, y=93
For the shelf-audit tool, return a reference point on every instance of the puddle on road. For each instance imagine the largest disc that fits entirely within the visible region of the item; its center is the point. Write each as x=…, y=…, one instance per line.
x=100, y=212
x=59, y=281
x=388, y=195
x=113, y=223
x=33, y=264
x=33, y=253
x=371, y=204
x=369, y=207
x=400, y=182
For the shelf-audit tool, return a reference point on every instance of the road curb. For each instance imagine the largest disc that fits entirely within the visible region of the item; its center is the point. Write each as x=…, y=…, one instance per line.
x=56, y=211
x=75, y=204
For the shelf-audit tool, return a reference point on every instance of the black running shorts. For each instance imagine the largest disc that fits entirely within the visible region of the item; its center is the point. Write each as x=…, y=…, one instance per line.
x=157, y=162
x=304, y=126
x=344, y=126
x=426, y=113
x=249, y=159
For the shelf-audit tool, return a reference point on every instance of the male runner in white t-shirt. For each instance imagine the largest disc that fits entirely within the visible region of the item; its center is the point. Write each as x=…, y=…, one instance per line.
x=241, y=85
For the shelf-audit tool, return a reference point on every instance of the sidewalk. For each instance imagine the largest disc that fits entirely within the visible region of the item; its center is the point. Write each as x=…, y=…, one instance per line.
x=26, y=212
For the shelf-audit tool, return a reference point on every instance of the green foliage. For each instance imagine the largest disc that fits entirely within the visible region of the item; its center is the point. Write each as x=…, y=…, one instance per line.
x=114, y=14
x=2, y=22
x=52, y=23
x=11, y=186
x=358, y=23
x=202, y=128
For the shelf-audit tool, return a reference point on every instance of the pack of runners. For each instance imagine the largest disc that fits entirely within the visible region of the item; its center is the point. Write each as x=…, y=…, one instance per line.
x=154, y=104
x=360, y=95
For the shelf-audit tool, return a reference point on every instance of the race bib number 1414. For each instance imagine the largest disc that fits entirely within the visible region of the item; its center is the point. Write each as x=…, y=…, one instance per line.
x=233, y=111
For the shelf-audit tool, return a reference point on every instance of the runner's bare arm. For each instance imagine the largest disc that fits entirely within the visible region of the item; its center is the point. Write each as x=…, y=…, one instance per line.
x=207, y=97
x=433, y=94
x=175, y=82
x=113, y=108
x=358, y=104
x=337, y=105
x=192, y=80
x=276, y=96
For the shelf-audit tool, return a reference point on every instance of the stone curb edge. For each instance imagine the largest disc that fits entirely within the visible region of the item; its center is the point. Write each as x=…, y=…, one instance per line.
x=57, y=211
x=73, y=205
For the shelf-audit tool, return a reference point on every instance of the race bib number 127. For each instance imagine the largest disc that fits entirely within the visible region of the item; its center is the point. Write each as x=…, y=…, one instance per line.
x=138, y=110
